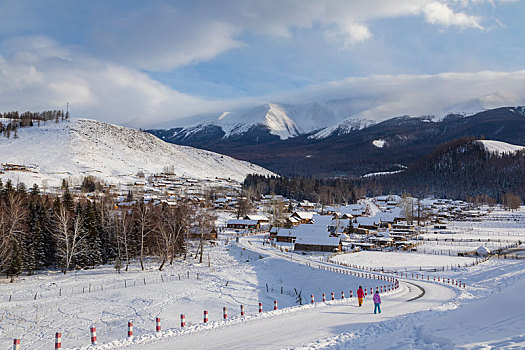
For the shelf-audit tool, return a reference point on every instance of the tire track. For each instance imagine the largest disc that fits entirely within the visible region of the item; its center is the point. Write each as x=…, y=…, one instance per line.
x=420, y=295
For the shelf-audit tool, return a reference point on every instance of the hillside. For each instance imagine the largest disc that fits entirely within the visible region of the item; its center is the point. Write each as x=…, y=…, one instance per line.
x=457, y=169
x=87, y=147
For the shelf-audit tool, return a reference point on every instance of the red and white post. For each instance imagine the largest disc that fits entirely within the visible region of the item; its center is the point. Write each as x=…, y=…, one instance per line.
x=342, y=294
x=275, y=304
x=205, y=316
x=182, y=321
x=260, y=307
x=224, y=313
x=130, y=329
x=351, y=296
x=93, y=331
x=333, y=296
x=157, y=324
x=58, y=340
x=324, y=297
x=16, y=344
x=242, y=310
x=312, y=299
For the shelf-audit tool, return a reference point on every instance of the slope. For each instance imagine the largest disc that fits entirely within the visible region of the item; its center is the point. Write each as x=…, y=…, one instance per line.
x=88, y=147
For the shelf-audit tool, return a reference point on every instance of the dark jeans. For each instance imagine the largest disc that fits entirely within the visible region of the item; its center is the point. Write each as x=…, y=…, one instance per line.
x=377, y=308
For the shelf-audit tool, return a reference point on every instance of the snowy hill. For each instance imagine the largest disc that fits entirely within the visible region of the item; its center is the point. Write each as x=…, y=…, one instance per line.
x=87, y=147
x=499, y=147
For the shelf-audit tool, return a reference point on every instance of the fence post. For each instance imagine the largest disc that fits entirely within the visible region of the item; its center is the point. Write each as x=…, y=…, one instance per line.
x=275, y=304
x=58, y=340
x=260, y=307
x=130, y=329
x=205, y=316
x=157, y=324
x=182, y=321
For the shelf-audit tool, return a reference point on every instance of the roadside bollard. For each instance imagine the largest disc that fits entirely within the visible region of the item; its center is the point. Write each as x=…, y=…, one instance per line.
x=93, y=331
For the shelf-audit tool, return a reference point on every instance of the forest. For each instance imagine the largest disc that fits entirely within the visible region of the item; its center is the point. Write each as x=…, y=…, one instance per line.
x=10, y=122
x=318, y=190
x=459, y=169
x=40, y=231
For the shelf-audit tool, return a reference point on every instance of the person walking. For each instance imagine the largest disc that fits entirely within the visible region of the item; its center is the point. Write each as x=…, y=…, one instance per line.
x=360, y=295
x=377, y=302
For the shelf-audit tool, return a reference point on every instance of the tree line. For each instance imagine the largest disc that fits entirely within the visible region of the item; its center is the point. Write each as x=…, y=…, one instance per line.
x=319, y=190
x=40, y=231
x=15, y=120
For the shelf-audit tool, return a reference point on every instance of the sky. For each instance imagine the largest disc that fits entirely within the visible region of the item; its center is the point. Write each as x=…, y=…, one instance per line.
x=140, y=63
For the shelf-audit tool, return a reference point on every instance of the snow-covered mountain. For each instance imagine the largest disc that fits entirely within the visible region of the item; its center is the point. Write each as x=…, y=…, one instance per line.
x=281, y=120
x=83, y=147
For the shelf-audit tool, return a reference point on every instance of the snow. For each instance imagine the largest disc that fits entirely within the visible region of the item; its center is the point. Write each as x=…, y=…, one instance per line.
x=401, y=260
x=379, y=143
x=486, y=314
x=380, y=173
x=113, y=153
x=499, y=147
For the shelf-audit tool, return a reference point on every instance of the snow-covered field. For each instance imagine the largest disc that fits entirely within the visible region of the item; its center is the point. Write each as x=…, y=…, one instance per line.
x=419, y=315
x=401, y=260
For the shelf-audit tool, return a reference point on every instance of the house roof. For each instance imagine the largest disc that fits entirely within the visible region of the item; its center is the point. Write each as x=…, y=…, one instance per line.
x=256, y=217
x=305, y=215
x=241, y=222
x=368, y=221
x=312, y=234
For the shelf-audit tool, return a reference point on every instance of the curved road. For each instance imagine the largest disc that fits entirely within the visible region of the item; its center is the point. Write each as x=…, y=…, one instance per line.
x=291, y=329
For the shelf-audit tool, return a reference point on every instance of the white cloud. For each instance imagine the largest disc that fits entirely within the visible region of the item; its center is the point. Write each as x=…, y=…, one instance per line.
x=438, y=13
x=34, y=78
x=385, y=96
x=162, y=36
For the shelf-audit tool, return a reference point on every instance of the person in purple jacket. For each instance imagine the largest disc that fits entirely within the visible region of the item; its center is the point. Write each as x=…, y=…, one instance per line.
x=377, y=302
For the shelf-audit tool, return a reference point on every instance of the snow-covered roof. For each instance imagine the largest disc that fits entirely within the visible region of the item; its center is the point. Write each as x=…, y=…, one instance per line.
x=312, y=234
x=305, y=215
x=241, y=222
x=256, y=217
x=368, y=221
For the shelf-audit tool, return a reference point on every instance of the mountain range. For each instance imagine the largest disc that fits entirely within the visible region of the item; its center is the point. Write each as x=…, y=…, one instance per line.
x=272, y=136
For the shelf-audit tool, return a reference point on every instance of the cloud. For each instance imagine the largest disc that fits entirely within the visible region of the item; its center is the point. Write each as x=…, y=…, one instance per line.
x=41, y=74
x=438, y=13
x=380, y=97
x=161, y=36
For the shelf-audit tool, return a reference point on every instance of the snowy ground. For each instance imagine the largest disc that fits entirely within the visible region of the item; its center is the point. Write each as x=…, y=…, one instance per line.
x=483, y=315
x=403, y=261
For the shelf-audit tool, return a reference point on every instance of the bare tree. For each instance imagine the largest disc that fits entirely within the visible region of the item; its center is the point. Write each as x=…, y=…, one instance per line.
x=69, y=234
x=142, y=214
x=205, y=222
x=123, y=228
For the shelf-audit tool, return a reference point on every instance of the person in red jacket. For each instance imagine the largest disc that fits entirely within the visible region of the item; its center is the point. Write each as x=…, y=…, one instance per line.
x=360, y=295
